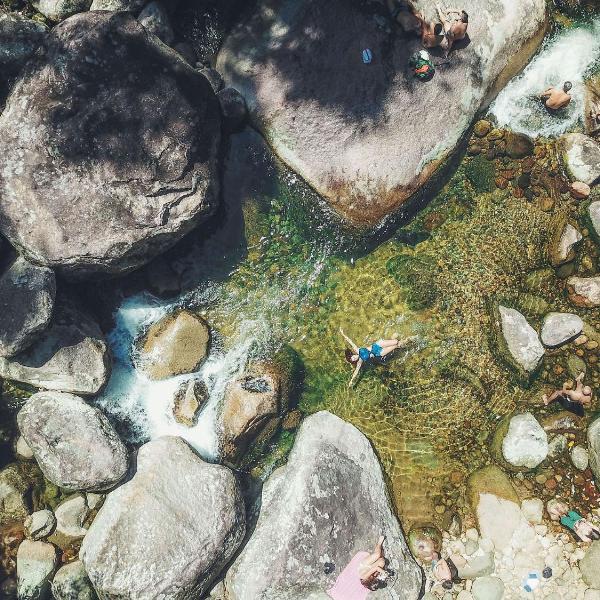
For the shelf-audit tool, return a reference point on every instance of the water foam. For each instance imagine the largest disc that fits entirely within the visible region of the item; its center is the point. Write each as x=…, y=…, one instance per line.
x=567, y=56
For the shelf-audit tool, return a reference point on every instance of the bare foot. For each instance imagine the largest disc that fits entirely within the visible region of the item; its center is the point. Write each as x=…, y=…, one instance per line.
x=545, y=399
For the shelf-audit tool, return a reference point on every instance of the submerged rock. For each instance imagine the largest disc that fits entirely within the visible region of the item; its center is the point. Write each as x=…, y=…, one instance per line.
x=594, y=215
x=19, y=40
x=173, y=526
x=15, y=494
x=72, y=583
x=70, y=518
x=488, y=588
x=589, y=566
x=36, y=563
x=580, y=458
x=586, y=291
x=580, y=190
x=70, y=356
x=562, y=243
x=74, y=444
x=233, y=108
x=581, y=155
x=522, y=347
x=175, y=345
x=560, y=328
x=57, y=10
x=313, y=513
x=27, y=294
x=331, y=118
x=496, y=505
x=134, y=134
x=518, y=145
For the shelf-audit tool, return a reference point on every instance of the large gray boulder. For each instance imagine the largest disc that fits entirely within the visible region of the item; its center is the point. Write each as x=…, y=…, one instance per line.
x=581, y=156
x=72, y=583
x=313, y=512
x=70, y=356
x=155, y=18
x=36, y=563
x=369, y=137
x=116, y=5
x=27, y=294
x=19, y=40
x=74, y=444
x=109, y=131
x=169, y=531
x=560, y=328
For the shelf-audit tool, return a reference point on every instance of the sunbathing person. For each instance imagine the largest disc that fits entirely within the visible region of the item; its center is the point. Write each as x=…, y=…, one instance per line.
x=574, y=400
x=455, y=23
x=572, y=520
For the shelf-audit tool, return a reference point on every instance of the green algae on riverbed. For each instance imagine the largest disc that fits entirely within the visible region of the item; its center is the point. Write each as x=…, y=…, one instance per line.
x=430, y=409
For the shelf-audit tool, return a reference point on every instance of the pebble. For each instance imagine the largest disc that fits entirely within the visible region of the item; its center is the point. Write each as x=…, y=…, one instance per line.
x=580, y=458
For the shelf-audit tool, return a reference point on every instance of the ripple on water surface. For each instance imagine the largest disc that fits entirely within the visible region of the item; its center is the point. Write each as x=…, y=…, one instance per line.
x=569, y=55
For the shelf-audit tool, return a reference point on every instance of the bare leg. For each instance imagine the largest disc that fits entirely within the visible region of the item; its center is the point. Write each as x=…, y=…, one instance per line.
x=388, y=343
x=552, y=398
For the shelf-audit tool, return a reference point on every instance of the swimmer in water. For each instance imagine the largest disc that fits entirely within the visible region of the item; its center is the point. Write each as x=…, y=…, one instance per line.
x=379, y=349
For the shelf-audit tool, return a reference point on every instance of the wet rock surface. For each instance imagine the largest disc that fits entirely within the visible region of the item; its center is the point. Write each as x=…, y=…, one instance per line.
x=175, y=345
x=581, y=155
x=72, y=583
x=74, y=444
x=36, y=564
x=143, y=173
x=189, y=401
x=27, y=295
x=560, y=328
x=313, y=512
x=328, y=115
x=71, y=355
x=184, y=526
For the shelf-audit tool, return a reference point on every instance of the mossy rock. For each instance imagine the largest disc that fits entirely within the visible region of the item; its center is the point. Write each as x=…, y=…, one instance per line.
x=289, y=366
x=532, y=306
x=482, y=174
x=539, y=280
x=490, y=480
x=496, y=445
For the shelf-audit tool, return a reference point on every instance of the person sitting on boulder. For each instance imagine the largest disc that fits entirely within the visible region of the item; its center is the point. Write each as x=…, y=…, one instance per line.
x=432, y=34
x=365, y=572
x=555, y=99
x=572, y=520
x=573, y=400
x=379, y=349
x=455, y=23
x=404, y=13
x=445, y=571
x=422, y=66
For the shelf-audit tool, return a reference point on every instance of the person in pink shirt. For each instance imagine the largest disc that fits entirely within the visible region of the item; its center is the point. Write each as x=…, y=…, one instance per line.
x=364, y=573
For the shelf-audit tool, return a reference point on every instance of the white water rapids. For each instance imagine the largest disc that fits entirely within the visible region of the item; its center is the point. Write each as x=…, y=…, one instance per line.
x=567, y=56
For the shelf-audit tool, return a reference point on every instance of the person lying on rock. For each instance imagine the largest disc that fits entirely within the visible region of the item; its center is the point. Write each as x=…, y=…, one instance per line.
x=455, y=23
x=445, y=571
x=361, y=356
x=405, y=14
x=573, y=400
x=572, y=520
x=365, y=572
x=554, y=99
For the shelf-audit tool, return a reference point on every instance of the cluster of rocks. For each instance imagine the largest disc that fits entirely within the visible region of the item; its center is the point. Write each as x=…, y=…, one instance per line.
x=174, y=526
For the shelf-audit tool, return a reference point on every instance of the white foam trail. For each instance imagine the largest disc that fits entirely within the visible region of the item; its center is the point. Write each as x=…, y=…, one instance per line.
x=564, y=57
x=145, y=405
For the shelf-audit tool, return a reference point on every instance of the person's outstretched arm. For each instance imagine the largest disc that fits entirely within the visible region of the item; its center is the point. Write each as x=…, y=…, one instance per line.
x=356, y=372
x=352, y=344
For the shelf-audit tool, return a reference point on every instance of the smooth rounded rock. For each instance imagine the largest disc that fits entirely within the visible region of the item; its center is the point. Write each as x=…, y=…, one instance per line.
x=581, y=155
x=580, y=458
x=580, y=190
x=20, y=39
x=155, y=18
x=57, y=10
x=190, y=398
x=74, y=444
x=173, y=526
x=593, y=436
x=133, y=6
x=594, y=215
x=134, y=133
x=560, y=328
x=488, y=588
x=533, y=510
x=586, y=291
x=72, y=583
x=298, y=65
x=22, y=450
x=27, y=295
x=40, y=524
x=526, y=442
x=70, y=518
x=588, y=566
x=36, y=564
x=175, y=345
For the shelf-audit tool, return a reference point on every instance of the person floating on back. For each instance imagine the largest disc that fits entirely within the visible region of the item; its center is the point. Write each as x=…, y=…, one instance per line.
x=574, y=400
x=554, y=99
x=455, y=23
x=361, y=356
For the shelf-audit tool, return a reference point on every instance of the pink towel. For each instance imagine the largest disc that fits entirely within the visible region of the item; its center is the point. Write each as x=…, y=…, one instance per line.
x=348, y=586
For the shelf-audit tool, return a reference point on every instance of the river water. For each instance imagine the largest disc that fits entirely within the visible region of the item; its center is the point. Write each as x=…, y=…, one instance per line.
x=273, y=268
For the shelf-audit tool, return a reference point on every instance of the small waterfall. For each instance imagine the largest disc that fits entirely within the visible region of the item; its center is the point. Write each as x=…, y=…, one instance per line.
x=567, y=56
